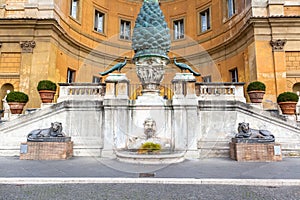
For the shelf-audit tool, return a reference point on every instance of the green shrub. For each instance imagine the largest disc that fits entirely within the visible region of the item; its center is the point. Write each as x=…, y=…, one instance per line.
x=287, y=96
x=256, y=85
x=17, y=97
x=149, y=147
x=46, y=85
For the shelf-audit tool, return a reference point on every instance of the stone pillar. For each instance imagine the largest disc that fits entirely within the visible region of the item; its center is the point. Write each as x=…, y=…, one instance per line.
x=26, y=66
x=279, y=65
x=115, y=113
x=185, y=119
x=184, y=85
x=117, y=86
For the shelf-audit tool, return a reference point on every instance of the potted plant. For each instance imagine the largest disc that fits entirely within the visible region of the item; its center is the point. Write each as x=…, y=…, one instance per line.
x=47, y=90
x=256, y=91
x=16, y=101
x=287, y=102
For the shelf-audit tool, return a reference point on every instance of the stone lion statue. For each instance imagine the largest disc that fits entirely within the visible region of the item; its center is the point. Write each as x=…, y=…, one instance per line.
x=244, y=131
x=54, y=131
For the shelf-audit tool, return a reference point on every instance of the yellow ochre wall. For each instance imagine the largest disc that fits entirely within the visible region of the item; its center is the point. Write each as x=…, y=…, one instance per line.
x=242, y=42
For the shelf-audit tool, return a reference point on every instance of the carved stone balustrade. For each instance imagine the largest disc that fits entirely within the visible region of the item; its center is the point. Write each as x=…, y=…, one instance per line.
x=221, y=91
x=81, y=91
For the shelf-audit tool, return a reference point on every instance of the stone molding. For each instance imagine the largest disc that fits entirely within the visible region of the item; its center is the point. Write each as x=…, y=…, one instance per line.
x=27, y=46
x=278, y=45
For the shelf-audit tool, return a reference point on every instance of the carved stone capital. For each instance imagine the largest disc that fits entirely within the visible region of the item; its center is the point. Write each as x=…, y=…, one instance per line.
x=277, y=45
x=27, y=46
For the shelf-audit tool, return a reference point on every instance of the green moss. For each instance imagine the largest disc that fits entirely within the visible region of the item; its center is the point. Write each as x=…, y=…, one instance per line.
x=287, y=96
x=46, y=85
x=17, y=97
x=256, y=85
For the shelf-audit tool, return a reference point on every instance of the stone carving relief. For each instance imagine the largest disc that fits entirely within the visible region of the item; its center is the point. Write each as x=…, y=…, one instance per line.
x=277, y=45
x=27, y=46
x=150, y=71
x=150, y=135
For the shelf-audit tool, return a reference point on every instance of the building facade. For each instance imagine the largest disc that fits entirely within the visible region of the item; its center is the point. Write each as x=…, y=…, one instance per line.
x=74, y=40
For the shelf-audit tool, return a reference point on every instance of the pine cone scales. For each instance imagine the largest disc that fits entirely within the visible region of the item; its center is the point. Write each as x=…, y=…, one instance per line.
x=151, y=35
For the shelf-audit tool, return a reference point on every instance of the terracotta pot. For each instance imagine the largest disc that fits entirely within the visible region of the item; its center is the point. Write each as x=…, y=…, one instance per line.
x=16, y=107
x=256, y=96
x=47, y=96
x=288, y=108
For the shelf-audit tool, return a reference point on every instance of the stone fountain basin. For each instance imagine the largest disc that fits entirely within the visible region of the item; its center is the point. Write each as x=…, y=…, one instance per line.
x=164, y=157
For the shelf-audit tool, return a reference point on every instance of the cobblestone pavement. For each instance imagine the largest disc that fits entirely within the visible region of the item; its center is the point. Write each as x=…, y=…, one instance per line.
x=146, y=191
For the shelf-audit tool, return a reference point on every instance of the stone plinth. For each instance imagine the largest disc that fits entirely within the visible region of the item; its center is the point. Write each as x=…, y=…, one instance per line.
x=46, y=150
x=262, y=152
x=184, y=84
x=116, y=86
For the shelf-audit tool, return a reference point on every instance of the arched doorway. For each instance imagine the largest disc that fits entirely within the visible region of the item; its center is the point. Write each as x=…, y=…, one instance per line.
x=3, y=91
x=296, y=88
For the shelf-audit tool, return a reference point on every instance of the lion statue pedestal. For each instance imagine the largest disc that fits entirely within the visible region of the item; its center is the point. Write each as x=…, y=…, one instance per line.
x=254, y=145
x=47, y=144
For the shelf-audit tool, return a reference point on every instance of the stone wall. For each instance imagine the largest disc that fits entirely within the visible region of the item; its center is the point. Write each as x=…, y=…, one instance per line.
x=203, y=128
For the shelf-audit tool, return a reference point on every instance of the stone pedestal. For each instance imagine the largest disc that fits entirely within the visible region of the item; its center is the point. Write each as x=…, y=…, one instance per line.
x=261, y=152
x=116, y=86
x=184, y=85
x=46, y=150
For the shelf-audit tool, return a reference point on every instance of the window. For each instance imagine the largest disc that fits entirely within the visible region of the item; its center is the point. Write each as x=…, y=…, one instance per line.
x=125, y=30
x=99, y=22
x=204, y=20
x=96, y=79
x=234, y=75
x=206, y=79
x=74, y=12
x=71, y=76
x=178, y=29
x=230, y=8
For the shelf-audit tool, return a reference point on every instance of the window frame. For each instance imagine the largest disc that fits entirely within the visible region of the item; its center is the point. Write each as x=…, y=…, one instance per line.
x=230, y=12
x=95, y=29
x=208, y=24
x=71, y=75
x=78, y=10
x=207, y=79
x=120, y=28
x=96, y=78
x=181, y=37
x=234, y=75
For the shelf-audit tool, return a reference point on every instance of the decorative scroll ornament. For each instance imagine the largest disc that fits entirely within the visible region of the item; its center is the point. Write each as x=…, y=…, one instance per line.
x=27, y=46
x=277, y=45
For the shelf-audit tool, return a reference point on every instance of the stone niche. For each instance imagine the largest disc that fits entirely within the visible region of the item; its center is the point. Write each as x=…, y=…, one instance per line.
x=46, y=150
x=260, y=152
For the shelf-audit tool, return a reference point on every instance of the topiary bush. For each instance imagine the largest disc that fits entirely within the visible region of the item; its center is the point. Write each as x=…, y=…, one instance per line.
x=17, y=97
x=46, y=85
x=287, y=96
x=256, y=85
